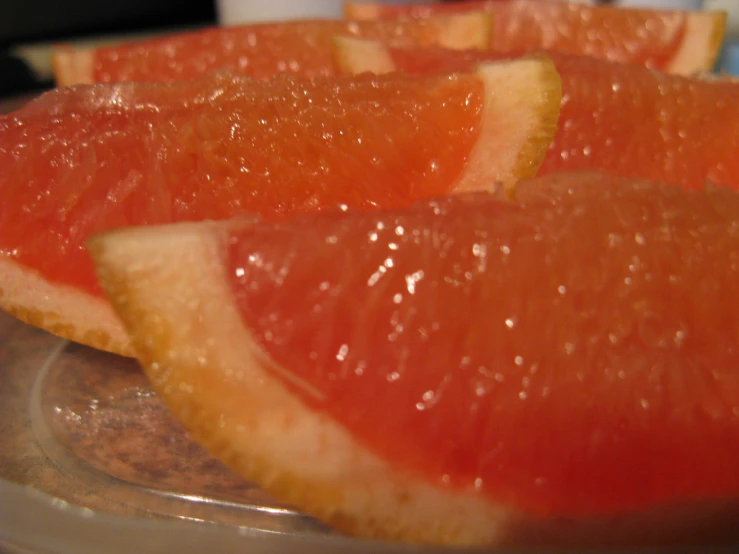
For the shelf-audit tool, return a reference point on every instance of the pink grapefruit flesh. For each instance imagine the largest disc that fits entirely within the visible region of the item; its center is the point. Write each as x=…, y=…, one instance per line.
x=681, y=42
x=619, y=118
x=259, y=50
x=466, y=371
x=82, y=160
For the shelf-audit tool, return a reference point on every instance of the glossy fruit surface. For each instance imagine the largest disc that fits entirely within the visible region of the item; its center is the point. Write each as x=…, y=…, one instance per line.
x=673, y=41
x=464, y=369
x=81, y=160
x=259, y=50
x=619, y=118
x=549, y=355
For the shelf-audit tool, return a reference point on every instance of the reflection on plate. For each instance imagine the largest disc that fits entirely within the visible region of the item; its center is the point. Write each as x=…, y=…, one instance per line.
x=60, y=528
x=98, y=420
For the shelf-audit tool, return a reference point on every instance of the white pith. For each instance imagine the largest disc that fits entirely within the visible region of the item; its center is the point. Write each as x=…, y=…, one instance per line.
x=170, y=286
x=60, y=309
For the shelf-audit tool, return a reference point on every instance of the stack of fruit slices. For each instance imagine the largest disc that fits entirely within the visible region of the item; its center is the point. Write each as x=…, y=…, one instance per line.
x=392, y=325
x=467, y=371
x=672, y=41
x=82, y=160
x=607, y=118
x=261, y=50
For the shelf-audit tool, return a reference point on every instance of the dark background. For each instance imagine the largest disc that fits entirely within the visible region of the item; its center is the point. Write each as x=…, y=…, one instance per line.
x=33, y=22
x=42, y=23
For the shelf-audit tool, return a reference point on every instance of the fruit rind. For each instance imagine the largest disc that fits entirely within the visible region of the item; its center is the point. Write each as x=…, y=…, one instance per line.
x=702, y=31
x=356, y=55
x=57, y=309
x=531, y=83
x=704, y=34
x=467, y=31
x=204, y=363
x=81, y=316
x=534, y=84
x=72, y=66
x=256, y=426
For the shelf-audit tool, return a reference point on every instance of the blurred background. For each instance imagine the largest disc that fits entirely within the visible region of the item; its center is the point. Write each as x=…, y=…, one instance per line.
x=28, y=20
x=29, y=28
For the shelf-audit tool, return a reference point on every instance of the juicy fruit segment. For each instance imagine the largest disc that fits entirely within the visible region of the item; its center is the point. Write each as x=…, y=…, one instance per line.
x=674, y=41
x=121, y=173
x=623, y=119
x=266, y=433
x=78, y=161
x=478, y=358
x=562, y=368
x=258, y=50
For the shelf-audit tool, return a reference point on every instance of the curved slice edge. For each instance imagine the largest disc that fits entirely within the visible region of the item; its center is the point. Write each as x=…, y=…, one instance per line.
x=72, y=66
x=700, y=47
x=357, y=55
x=522, y=106
x=523, y=100
x=201, y=359
x=466, y=31
x=169, y=287
x=61, y=310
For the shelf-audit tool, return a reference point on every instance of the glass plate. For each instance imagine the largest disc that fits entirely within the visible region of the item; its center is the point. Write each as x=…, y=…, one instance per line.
x=90, y=461
x=96, y=418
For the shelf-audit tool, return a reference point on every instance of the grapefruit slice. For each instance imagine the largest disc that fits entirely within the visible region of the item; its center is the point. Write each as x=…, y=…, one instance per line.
x=82, y=160
x=623, y=119
x=258, y=50
x=673, y=41
x=467, y=371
